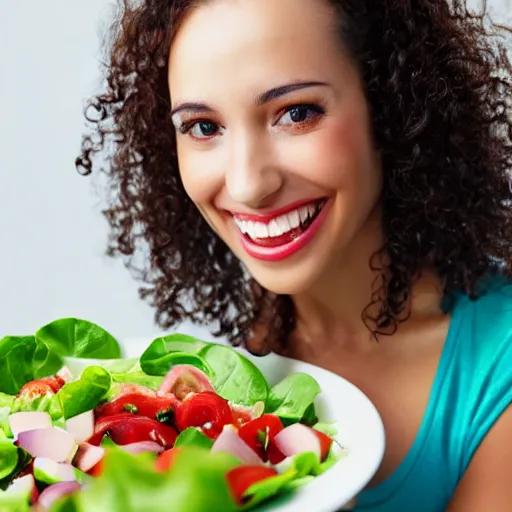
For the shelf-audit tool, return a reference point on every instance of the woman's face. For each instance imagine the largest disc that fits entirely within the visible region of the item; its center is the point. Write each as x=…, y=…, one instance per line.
x=273, y=136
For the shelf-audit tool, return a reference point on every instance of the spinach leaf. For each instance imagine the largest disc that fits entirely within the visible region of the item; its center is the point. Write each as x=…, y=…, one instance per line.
x=8, y=457
x=86, y=393
x=16, y=355
x=78, y=338
x=291, y=398
x=129, y=483
x=234, y=377
x=192, y=437
x=167, y=351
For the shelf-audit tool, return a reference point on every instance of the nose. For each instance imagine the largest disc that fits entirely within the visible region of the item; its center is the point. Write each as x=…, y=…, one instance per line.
x=253, y=176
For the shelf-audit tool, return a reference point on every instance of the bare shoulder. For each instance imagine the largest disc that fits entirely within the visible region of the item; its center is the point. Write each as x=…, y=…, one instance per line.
x=486, y=484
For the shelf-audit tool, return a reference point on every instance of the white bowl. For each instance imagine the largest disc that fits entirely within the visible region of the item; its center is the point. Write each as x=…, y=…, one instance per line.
x=359, y=425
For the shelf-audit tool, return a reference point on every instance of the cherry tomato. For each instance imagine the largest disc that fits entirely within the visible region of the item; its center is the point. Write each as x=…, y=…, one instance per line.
x=259, y=435
x=138, y=404
x=242, y=477
x=207, y=410
x=325, y=443
x=126, y=428
x=166, y=459
x=41, y=387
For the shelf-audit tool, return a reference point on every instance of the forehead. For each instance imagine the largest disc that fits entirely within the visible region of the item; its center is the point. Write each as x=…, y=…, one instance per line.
x=258, y=42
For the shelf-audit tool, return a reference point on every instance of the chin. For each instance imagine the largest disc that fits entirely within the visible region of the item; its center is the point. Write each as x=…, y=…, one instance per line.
x=290, y=280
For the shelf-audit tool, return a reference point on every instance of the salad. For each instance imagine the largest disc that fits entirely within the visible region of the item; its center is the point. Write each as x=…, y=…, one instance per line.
x=189, y=426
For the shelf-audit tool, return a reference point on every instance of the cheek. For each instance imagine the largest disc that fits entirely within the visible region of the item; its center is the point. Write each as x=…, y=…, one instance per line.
x=341, y=154
x=199, y=175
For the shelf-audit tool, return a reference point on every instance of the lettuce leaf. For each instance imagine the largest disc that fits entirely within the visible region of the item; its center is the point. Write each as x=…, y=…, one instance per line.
x=167, y=351
x=234, y=377
x=292, y=399
x=129, y=483
x=85, y=393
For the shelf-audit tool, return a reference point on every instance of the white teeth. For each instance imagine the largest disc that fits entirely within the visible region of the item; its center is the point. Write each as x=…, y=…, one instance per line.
x=284, y=224
x=294, y=219
x=279, y=225
x=303, y=212
x=273, y=228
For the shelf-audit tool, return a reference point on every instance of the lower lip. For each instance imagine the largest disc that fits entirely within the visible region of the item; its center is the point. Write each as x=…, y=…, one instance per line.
x=284, y=251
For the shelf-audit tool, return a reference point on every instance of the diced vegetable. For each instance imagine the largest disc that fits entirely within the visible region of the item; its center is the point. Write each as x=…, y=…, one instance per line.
x=260, y=434
x=55, y=492
x=25, y=421
x=144, y=403
x=230, y=442
x=241, y=478
x=127, y=428
x=52, y=443
x=87, y=456
x=297, y=439
x=81, y=427
x=50, y=472
x=143, y=447
x=206, y=410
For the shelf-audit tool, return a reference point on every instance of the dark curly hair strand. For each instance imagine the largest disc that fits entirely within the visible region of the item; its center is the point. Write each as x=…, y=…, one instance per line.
x=438, y=83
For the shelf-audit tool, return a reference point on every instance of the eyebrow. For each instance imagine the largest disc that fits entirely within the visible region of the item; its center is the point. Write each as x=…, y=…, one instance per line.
x=261, y=99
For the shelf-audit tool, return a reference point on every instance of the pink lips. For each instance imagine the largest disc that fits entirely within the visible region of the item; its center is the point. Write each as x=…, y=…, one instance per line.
x=281, y=252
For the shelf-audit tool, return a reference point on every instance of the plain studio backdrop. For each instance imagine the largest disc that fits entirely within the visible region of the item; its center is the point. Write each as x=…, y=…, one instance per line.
x=52, y=234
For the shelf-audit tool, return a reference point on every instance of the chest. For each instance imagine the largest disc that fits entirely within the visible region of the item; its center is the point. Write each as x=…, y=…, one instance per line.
x=399, y=384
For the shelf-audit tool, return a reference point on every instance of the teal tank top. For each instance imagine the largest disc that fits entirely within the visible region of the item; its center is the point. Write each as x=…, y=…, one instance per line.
x=471, y=389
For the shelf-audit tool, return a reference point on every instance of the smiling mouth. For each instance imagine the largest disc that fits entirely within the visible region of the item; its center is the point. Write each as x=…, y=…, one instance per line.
x=282, y=229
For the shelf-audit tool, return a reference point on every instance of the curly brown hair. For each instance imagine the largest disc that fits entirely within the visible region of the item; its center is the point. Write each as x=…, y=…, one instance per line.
x=438, y=83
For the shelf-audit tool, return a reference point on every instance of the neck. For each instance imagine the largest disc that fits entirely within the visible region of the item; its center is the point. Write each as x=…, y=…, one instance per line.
x=333, y=308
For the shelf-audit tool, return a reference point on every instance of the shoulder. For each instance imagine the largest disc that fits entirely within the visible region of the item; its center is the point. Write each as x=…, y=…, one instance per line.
x=482, y=367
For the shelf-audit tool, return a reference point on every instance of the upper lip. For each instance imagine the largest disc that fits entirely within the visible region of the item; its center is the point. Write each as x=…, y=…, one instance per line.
x=266, y=217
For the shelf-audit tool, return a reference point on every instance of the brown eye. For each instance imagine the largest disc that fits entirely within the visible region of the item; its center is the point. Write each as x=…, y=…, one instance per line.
x=300, y=114
x=204, y=129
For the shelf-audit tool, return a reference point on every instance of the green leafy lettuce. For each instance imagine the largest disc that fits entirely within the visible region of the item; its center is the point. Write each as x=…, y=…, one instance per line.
x=85, y=393
x=293, y=398
x=195, y=483
x=25, y=358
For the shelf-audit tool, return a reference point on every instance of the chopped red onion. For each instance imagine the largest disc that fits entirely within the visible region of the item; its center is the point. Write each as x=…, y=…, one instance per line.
x=25, y=421
x=230, y=442
x=55, y=492
x=297, y=439
x=143, y=446
x=52, y=443
x=81, y=427
x=87, y=456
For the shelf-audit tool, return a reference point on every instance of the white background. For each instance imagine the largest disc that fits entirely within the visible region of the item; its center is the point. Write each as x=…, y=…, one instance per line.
x=52, y=235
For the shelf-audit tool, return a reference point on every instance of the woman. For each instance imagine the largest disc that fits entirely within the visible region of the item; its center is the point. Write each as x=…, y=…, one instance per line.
x=330, y=180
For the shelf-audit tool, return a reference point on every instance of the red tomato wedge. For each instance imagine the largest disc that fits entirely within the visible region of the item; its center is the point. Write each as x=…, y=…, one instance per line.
x=325, y=443
x=166, y=459
x=141, y=404
x=41, y=387
x=259, y=435
x=127, y=428
x=242, y=477
x=206, y=410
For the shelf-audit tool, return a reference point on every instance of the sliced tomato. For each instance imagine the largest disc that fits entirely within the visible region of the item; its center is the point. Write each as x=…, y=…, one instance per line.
x=206, y=410
x=242, y=477
x=126, y=428
x=166, y=459
x=41, y=387
x=97, y=469
x=325, y=443
x=259, y=434
x=138, y=404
